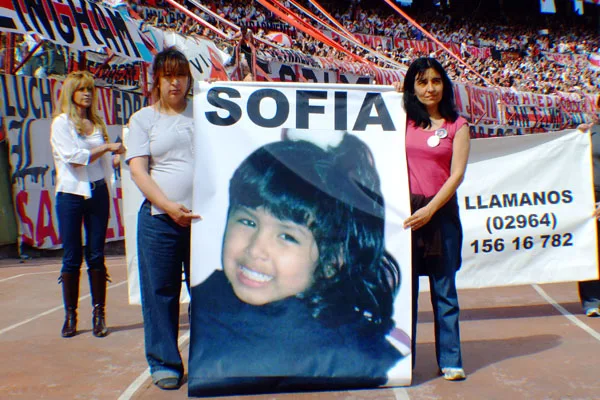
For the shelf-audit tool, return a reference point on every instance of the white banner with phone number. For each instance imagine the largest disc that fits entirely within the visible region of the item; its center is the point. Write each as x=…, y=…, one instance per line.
x=526, y=208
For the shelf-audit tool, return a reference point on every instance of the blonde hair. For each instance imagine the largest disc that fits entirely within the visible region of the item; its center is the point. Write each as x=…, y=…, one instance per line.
x=78, y=80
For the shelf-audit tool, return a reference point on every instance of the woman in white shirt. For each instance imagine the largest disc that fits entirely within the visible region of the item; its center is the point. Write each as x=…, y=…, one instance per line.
x=82, y=158
x=160, y=157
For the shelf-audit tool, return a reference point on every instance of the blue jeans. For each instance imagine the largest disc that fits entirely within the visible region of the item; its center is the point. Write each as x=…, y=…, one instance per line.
x=163, y=253
x=71, y=210
x=589, y=291
x=444, y=297
x=589, y=294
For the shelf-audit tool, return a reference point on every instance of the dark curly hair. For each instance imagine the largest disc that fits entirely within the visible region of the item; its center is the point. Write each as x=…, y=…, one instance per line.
x=336, y=194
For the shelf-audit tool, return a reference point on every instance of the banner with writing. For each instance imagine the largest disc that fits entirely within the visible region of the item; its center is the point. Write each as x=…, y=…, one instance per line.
x=80, y=24
x=160, y=15
x=303, y=190
x=564, y=59
x=526, y=207
x=491, y=130
x=537, y=112
x=567, y=59
x=204, y=57
x=290, y=72
x=380, y=43
x=117, y=71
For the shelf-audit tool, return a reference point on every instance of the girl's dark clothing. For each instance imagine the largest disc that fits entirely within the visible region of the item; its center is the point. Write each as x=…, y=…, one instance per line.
x=427, y=241
x=589, y=291
x=436, y=253
x=278, y=347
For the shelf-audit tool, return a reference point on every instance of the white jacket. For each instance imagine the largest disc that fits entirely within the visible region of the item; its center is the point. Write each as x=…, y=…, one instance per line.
x=69, y=149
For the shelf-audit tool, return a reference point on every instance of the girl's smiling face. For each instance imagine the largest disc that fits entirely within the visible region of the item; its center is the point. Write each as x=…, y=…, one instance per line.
x=267, y=259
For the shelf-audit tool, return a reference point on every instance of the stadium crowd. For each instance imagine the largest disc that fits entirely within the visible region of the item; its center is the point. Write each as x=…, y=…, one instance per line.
x=517, y=43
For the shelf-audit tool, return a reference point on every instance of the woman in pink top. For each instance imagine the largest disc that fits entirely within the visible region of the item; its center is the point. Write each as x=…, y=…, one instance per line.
x=437, y=149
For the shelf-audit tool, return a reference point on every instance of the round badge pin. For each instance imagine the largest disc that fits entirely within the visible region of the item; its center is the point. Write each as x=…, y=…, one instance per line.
x=441, y=133
x=433, y=141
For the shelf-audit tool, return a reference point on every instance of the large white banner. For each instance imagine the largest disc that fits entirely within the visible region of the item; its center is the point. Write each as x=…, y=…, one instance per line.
x=286, y=183
x=526, y=207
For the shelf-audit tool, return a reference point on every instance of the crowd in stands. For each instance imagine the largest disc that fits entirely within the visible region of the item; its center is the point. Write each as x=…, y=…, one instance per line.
x=517, y=44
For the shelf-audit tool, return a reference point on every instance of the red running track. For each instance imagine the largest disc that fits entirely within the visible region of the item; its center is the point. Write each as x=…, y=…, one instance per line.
x=522, y=342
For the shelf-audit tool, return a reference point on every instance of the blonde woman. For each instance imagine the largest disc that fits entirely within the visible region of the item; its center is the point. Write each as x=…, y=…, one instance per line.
x=82, y=158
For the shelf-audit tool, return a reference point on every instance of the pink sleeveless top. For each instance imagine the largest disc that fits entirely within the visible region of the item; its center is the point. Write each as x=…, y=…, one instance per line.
x=429, y=167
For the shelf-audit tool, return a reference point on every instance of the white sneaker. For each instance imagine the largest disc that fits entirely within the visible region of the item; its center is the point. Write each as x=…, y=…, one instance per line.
x=592, y=312
x=454, y=374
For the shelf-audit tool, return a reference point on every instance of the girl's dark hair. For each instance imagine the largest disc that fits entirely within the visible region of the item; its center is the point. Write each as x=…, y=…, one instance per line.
x=415, y=110
x=336, y=194
x=170, y=61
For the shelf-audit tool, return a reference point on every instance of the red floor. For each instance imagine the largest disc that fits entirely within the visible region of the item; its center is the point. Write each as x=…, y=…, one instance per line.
x=516, y=345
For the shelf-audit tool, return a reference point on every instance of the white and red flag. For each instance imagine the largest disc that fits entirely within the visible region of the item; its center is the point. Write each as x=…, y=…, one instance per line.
x=547, y=6
x=594, y=61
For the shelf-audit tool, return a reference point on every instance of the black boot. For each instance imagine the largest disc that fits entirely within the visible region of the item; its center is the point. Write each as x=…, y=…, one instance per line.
x=70, y=289
x=98, y=280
